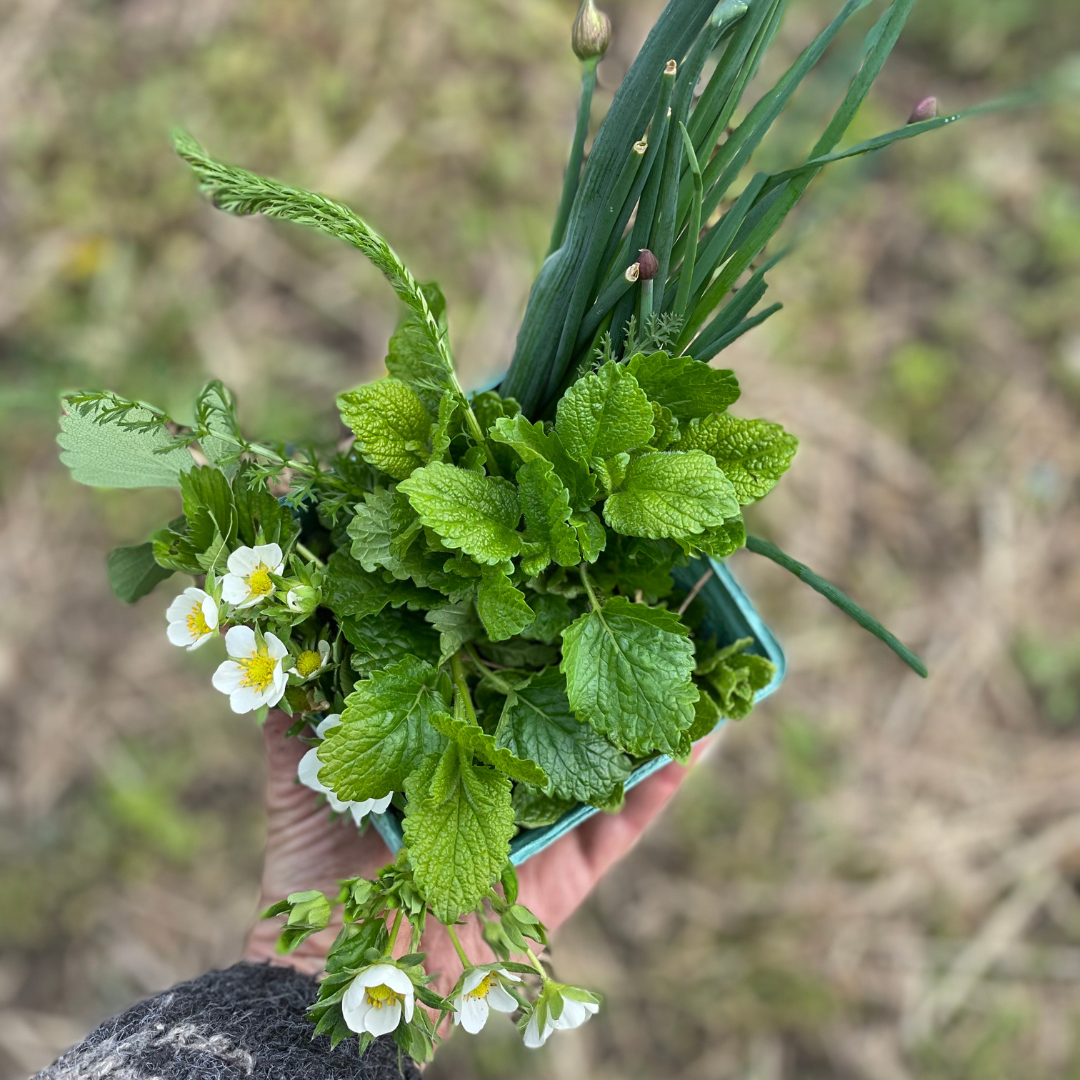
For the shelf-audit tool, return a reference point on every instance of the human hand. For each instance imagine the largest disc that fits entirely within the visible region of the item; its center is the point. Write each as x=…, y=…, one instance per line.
x=307, y=849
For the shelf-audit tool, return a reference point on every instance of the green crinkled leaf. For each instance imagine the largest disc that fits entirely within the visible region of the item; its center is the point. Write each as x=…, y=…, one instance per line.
x=545, y=503
x=382, y=531
x=475, y=513
x=502, y=606
x=665, y=427
x=754, y=454
x=534, y=810
x=531, y=441
x=414, y=360
x=384, y=639
x=446, y=426
x=113, y=455
x=457, y=625
x=488, y=407
x=391, y=425
x=348, y=589
x=628, y=669
x=735, y=676
x=537, y=724
x=384, y=734
x=458, y=824
x=476, y=741
x=553, y=616
x=133, y=572
x=260, y=518
x=604, y=414
x=591, y=534
x=721, y=541
x=671, y=494
x=686, y=386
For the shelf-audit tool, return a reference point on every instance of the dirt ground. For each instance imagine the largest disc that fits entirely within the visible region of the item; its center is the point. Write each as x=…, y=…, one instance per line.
x=876, y=877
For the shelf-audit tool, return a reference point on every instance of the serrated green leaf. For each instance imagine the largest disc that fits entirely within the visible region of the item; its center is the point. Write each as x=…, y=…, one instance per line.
x=384, y=732
x=604, y=414
x=721, y=541
x=665, y=427
x=628, y=671
x=382, y=531
x=391, y=425
x=386, y=638
x=111, y=455
x=445, y=427
x=502, y=606
x=458, y=824
x=686, y=386
x=754, y=454
x=261, y=519
x=545, y=503
x=133, y=572
x=216, y=409
x=735, y=676
x=208, y=506
x=671, y=494
x=475, y=513
x=591, y=534
x=534, y=810
x=537, y=724
x=531, y=441
x=348, y=589
x=413, y=358
x=216, y=556
x=553, y=616
x=457, y=625
x=476, y=741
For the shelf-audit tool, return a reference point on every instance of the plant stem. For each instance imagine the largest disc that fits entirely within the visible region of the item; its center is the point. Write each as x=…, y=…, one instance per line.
x=588, y=588
x=465, y=962
x=536, y=963
x=686, y=276
x=309, y=555
x=486, y=674
x=577, y=153
x=698, y=586
x=462, y=687
x=645, y=309
x=394, y=931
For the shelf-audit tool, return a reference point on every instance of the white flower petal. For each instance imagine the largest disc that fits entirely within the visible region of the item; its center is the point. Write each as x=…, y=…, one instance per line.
x=234, y=589
x=228, y=677
x=383, y=1021
x=378, y=806
x=275, y=648
x=201, y=641
x=473, y=1013
x=210, y=611
x=500, y=1000
x=276, y=691
x=240, y=641
x=242, y=561
x=246, y=699
x=270, y=555
x=324, y=652
x=376, y=975
x=181, y=607
x=397, y=980
x=179, y=634
x=533, y=1039
x=473, y=980
x=308, y=771
x=326, y=723
x=355, y=1007
x=574, y=1014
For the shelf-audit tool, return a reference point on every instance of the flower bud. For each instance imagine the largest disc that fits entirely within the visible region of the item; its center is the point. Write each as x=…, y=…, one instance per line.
x=592, y=32
x=648, y=265
x=304, y=599
x=925, y=110
x=632, y=272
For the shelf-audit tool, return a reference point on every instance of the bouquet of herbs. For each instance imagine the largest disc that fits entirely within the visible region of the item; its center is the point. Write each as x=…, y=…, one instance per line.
x=470, y=610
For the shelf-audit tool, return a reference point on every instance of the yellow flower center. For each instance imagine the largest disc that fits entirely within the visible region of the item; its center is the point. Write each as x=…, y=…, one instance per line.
x=258, y=581
x=484, y=988
x=307, y=662
x=196, y=622
x=259, y=670
x=378, y=996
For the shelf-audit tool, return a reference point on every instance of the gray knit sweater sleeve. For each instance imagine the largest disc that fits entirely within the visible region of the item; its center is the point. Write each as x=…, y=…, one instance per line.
x=247, y=1021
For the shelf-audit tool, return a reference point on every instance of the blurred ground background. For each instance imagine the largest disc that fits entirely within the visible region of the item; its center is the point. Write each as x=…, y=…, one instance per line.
x=877, y=878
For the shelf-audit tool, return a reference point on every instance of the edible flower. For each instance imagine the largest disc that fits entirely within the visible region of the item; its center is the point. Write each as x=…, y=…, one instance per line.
x=193, y=618
x=253, y=676
x=481, y=990
x=248, y=581
x=573, y=1005
x=375, y=1000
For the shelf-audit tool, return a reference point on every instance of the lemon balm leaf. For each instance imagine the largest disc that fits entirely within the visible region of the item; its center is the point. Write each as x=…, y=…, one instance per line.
x=391, y=425
x=671, y=494
x=458, y=824
x=469, y=511
x=532, y=442
x=502, y=606
x=687, y=387
x=475, y=740
x=537, y=723
x=628, y=669
x=130, y=453
x=754, y=454
x=604, y=414
x=545, y=503
x=384, y=732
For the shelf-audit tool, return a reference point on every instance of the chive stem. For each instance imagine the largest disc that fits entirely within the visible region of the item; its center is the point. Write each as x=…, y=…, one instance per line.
x=686, y=276
x=577, y=153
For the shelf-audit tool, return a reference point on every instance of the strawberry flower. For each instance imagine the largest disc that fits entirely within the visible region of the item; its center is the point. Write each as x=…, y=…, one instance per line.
x=193, y=618
x=252, y=676
x=573, y=1005
x=248, y=581
x=376, y=999
x=482, y=990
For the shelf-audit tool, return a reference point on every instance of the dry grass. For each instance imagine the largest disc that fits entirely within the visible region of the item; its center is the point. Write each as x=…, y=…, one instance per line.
x=875, y=878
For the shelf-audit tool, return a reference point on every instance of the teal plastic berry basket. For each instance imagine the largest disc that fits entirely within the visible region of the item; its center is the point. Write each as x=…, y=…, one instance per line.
x=729, y=615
